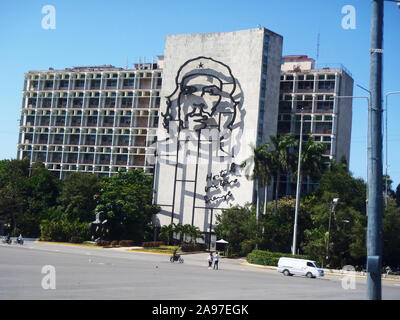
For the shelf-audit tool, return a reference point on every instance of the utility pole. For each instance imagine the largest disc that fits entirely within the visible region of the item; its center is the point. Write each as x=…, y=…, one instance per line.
x=374, y=230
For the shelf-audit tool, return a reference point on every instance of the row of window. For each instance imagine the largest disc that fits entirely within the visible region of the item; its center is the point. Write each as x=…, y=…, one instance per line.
x=306, y=117
x=105, y=75
x=94, y=84
x=312, y=77
x=307, y=85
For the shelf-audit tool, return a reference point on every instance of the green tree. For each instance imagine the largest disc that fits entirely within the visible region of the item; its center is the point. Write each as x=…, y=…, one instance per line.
x=179, y=229
x=166, y=233
x=348, y=222
x=77, y=198
x=126, y=199
x=283, y=158
x=14, y=192
x=311, y=159
x=193, y=232
x=258, y=167
x=398, y=195
x=43, y=189
x=236, y=225
x=391, y=234
x=278, y=229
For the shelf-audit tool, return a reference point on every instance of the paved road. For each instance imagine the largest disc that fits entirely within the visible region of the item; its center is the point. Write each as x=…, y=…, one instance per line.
x=93, y=273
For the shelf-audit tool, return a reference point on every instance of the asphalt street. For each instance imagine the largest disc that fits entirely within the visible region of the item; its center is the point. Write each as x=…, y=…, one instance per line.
x=86, y=273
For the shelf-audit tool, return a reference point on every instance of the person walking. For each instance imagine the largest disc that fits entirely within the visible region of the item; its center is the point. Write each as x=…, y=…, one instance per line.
x=216, y=261
x=210, y=261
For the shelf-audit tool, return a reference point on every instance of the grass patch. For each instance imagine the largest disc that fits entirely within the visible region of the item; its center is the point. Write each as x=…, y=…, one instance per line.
x=163, y=249
x=89, y=243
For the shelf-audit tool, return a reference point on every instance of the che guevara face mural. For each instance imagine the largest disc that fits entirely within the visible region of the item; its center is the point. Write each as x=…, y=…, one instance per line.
x=203, y=97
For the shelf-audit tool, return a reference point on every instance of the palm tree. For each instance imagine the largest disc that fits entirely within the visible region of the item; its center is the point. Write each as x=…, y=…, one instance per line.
x=179, y=229
x=166, y=232
x=283, y=159
x=186, y=229
x=194, y=233
x=258, y=168
x=311, y=159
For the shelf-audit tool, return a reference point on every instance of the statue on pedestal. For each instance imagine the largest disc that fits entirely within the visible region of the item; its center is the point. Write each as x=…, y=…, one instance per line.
x=98, y=228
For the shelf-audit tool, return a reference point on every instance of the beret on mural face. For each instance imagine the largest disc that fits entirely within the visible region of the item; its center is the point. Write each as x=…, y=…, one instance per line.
x=203, y=66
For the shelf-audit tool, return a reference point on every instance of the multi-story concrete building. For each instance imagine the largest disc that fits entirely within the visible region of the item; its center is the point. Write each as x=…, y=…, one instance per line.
x=90, y=119
x=317, y=93
x=219, y=96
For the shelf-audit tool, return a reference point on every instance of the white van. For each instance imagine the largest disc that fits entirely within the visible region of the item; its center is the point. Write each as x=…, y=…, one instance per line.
x=293, y=266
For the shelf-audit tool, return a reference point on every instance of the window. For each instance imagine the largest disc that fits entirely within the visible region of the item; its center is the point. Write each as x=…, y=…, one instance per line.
x=111, y=83
x=128, y=83
x=327, y=85
x=79, y=83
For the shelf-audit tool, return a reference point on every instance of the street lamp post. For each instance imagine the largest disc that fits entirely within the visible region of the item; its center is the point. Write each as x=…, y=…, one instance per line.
x=333, y=206
x=298, y=185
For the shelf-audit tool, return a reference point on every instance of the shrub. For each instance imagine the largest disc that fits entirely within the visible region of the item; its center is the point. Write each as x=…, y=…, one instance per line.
x=63, y=230
x=247, y=246
x=268, y=258
x=126, y=243
x=192, y=247
x=152, y=244
x=76, y=240
x=102, y=243
x=114, y=243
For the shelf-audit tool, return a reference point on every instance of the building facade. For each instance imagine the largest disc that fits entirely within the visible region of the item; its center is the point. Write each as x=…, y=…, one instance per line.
x=219, y=96
x=322, y=98
x=90, y=119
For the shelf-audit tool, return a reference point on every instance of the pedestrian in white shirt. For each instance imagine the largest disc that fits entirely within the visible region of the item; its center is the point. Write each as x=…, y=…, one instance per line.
x=210, y=260
x=216, y=261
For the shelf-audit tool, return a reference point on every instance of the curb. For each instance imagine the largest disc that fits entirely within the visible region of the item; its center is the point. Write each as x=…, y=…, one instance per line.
x=140, y=251
x=258, y=266
x=326, y=273
x=69, y=244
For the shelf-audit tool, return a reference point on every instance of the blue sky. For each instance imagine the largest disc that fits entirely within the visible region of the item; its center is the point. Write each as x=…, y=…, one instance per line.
x=95, y=32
